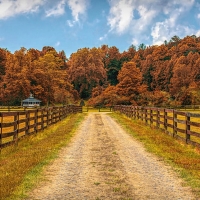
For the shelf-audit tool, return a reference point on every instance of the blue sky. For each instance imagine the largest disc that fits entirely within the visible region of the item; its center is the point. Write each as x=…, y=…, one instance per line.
x=73, y=24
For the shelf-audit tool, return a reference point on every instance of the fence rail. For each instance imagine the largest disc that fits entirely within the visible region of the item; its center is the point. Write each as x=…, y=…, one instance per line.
x=184, y=126
x=15, y=125
x=97, y=109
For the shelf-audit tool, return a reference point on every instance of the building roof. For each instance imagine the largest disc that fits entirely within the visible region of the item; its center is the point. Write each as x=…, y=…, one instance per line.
x=31, y=99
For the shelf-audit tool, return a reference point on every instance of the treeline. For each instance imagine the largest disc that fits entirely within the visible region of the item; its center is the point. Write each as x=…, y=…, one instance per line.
x=168, y=74
x=42, y=73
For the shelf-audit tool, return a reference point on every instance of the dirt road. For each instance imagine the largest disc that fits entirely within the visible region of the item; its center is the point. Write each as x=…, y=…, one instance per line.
x=104, y=162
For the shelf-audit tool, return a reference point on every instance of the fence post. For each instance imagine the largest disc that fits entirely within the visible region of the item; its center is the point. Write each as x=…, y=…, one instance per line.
x=64, y=112
x=151, y=116
x=42, y=118
x=133, y=112
x=27, y=122
x=158, y=118
x=36, y=121
x=138, y=114
x=129, y=111
x=175, y=123
x=48, y=116
x=61, y=113
x=141, y=113
x=52, y=116
x=187, y=127
x=146, y=112
x=1, y=132
x=165, y=120
x=15, y=129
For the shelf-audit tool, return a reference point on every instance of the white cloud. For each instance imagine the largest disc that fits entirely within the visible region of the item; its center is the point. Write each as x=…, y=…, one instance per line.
x=9, y=8
x=141, y=19
x=135, y=42
x=121, y=18
x=121, y=14
x=103, y=37
x=182, y=5
x=160, y=32
x=70, y=23
x=172, y=25
x=59, y=9
x=198, y=33
x=146, y=19
x=198, y=16
x=78, y=7
x=165, y=31
x=57, y=44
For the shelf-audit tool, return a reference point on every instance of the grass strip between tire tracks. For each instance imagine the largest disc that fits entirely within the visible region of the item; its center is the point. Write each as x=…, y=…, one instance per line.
x=21, y=165
x=184, y=158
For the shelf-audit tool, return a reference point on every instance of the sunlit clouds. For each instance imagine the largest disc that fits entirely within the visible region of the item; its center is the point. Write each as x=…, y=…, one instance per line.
x=10, y=8
x=80, y=23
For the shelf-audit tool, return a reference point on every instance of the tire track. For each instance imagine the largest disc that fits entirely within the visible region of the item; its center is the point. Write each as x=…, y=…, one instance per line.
x=104, y=162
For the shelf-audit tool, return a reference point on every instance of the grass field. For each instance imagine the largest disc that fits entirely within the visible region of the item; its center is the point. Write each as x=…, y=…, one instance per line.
x=21, y=165
x=184, y=158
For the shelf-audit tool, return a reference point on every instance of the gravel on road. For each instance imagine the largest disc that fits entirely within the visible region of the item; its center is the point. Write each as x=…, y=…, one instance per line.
x=105, y=162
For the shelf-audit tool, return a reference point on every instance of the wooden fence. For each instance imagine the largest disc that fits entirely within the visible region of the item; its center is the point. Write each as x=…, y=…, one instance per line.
x=184, y=126
x=97, y=109
x=16, y=125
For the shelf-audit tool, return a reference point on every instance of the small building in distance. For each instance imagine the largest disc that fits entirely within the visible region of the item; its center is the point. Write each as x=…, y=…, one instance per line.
x=31, y=102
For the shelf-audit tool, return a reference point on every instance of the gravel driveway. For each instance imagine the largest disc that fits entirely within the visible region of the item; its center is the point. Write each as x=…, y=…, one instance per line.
x=104, y=162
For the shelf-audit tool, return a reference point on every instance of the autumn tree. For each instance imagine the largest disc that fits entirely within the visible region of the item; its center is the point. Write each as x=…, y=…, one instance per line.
x=3, y=53
x=86, y=70
x=15, y=85
x=49, y=78
x=160, y=69
x=157, y=98
x=153, y=75
x=130, y=83
x=108, y=97
x=182, y=77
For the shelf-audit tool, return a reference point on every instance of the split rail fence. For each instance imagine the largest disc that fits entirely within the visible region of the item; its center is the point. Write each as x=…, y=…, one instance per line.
x=15, y=125
x=184, y=126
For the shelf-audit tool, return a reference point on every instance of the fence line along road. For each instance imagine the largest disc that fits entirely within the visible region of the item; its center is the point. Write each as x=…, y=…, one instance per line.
x=16, y=125
x=184, y=126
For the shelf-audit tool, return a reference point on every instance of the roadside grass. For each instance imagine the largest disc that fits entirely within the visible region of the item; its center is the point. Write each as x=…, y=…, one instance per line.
x=184, y=158
x=21, y=165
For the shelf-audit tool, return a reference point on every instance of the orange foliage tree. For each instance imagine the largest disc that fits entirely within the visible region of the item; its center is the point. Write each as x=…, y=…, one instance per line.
x=86, y=70
x=151, y=75
x=42, y=73
x=130, y=83
x=15, y=85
